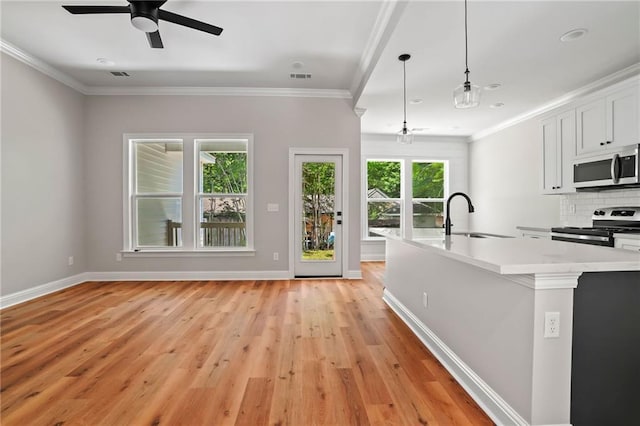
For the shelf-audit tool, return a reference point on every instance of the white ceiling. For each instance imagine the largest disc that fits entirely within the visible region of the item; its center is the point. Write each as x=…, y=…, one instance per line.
x=348, y=45
x=516, y=44
x=258, y=45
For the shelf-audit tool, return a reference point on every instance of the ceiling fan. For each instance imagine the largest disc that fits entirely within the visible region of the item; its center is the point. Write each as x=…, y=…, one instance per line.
x=145, y=16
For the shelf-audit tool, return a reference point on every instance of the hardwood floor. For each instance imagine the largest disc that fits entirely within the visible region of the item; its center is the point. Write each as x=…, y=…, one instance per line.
x=300, y=352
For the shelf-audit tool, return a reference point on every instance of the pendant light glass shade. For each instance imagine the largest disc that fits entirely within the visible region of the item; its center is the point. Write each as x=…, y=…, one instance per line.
x=466, y=95
x=404, y=136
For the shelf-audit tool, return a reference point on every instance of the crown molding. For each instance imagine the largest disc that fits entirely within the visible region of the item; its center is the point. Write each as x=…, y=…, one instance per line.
x=220, y=91
x=359, y=111
x=602, y=83
x=417, y=138
x=41, y=66
x=63, y=78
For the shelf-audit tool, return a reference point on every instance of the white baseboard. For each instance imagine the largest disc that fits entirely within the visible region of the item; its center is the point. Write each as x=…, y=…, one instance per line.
x=492, y=403
x=372, y=257
x=41, y=290
x=188, y=275
x=355, y=274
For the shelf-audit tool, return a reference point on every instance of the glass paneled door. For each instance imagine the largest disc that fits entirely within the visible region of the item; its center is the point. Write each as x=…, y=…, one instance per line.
x=318, y=215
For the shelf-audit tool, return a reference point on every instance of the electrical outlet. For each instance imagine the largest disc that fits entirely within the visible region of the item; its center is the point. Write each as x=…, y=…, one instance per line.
x=118, y=257
x=425, y=300
x=70, y=260
x=551, y=325
x=572, y=208
x=276, y=255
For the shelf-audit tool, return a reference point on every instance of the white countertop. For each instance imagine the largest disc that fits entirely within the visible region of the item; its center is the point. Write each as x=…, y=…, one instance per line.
x=535, y=228
x=530, y=256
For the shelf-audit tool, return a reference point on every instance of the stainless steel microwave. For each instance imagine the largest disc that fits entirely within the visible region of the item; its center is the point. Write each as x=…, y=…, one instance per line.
x=606, y=171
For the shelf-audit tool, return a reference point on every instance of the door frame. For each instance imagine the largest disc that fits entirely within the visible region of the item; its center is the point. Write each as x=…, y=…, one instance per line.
x=344, y=153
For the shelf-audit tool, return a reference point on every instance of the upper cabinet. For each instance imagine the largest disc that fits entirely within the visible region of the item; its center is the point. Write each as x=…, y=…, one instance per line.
x=558, y=146
x=608, y=121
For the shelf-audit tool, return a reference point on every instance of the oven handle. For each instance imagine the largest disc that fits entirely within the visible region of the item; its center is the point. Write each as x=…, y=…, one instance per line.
x=615, y=168
x=580, y=237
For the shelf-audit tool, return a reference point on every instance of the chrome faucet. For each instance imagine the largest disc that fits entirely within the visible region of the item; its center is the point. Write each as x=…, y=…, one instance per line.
x=447, y=222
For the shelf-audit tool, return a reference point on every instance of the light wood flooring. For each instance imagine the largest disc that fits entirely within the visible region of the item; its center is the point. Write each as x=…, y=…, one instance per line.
x=299, y=352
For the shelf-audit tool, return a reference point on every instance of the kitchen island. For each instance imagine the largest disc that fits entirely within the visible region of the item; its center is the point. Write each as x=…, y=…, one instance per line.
x=479, y=305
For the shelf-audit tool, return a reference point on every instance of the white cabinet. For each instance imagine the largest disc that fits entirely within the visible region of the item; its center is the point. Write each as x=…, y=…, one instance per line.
x=628, y=243
x=623, y=123
x=558, y=146
x=608, y=121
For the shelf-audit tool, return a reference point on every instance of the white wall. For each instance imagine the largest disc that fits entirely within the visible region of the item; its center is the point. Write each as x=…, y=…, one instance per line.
x=452, y=149
x=505, y=181
x=277, y=124
x=42, y=179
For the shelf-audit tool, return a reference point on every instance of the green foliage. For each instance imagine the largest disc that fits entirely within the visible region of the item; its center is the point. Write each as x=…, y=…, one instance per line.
x=318, y=179
x=228, y=175
x=385, y=176
x=428, y=180
x=318, y=192
x=318, y=255
x=377, y=209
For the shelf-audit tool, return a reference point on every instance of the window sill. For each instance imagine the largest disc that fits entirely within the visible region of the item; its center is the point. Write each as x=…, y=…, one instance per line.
x=188, y=253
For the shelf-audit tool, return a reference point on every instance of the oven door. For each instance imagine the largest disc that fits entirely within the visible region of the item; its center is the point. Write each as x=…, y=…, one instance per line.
x=594, y=240
x=607, y=170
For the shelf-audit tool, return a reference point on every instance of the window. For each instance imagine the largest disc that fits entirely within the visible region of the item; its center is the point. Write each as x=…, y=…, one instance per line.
x=404, y=204
x=188, y=193
x=427, y=180
x=157, y=197
x=384, y=198
x=222, y=196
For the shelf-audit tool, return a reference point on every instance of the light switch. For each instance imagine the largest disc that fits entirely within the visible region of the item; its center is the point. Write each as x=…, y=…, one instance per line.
x=272, y=207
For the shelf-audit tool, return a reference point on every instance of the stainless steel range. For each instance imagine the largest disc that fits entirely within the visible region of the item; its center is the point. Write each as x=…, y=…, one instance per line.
x=606, y=222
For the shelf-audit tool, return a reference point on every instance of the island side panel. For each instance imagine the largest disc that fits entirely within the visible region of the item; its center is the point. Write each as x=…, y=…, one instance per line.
x=485, y=318
x=551, y=401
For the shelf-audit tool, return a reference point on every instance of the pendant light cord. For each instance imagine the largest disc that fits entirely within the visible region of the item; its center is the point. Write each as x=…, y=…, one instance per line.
x=404, y=97
x=466, y=44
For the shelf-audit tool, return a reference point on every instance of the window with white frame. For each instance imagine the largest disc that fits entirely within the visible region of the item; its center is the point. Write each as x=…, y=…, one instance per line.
x=188, y=193
x=404, y=197
x=428, y=196
x=384, y=198
x=222, y=195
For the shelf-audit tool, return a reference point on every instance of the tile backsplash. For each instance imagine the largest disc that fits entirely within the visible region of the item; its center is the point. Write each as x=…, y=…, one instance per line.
x=584, y=203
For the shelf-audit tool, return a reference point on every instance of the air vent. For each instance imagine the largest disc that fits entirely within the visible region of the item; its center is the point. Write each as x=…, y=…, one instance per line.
x=119, y=74
x=300, y=76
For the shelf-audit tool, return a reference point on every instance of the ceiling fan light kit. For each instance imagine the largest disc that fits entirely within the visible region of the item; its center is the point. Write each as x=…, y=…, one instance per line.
x=404, y=136
x=145, y=16
x=466, y=95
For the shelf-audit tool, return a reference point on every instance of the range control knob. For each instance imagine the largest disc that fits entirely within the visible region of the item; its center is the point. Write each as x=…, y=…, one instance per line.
x=601, y=213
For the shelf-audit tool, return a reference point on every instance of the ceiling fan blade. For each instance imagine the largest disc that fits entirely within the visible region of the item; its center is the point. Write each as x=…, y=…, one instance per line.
x=188, y=22
x=154, y=40
x=86, y=10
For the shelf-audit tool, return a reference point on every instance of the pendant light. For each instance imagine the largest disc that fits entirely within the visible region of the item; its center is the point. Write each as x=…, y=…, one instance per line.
x=466, y=95
x=404, y=136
